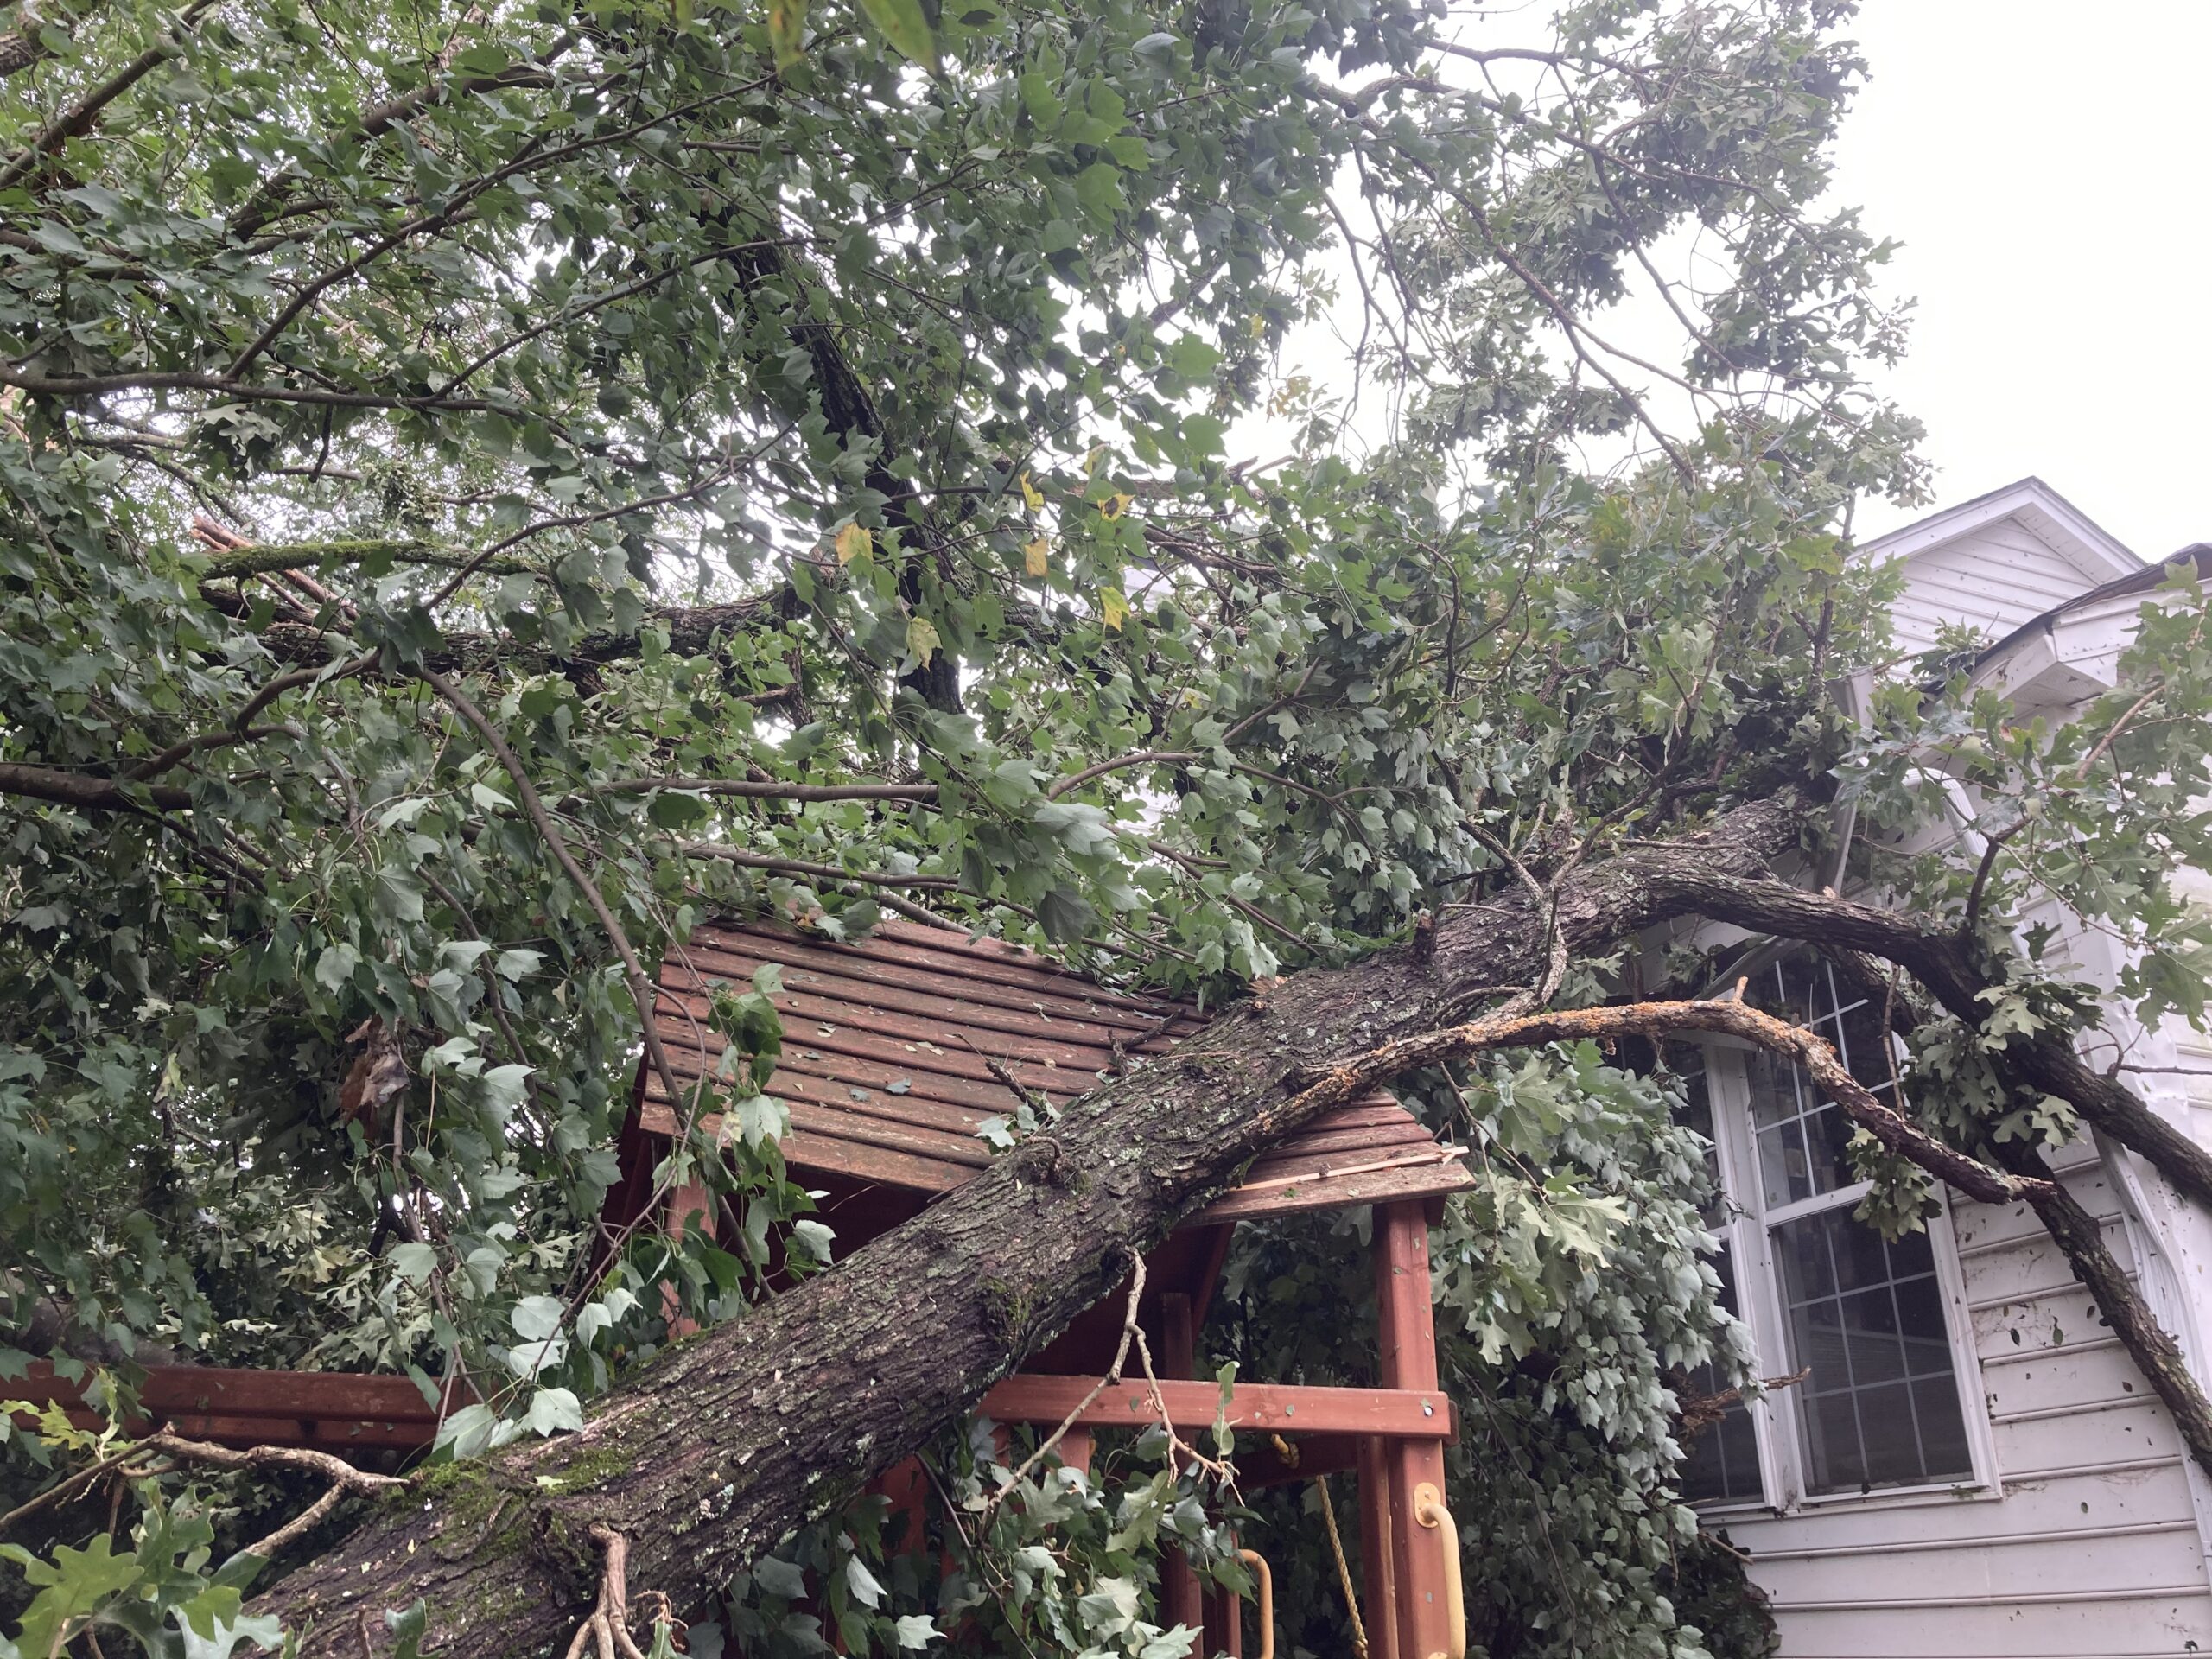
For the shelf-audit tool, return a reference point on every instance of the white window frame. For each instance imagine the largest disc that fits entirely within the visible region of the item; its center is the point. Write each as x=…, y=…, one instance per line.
x=1748, y=1231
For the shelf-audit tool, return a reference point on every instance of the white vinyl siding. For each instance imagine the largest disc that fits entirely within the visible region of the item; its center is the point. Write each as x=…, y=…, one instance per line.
x=2086, y=1538
x=1953, y=583
x=2091, y=1548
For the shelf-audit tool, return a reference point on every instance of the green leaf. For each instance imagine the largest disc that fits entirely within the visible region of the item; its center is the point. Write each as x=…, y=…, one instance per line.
x=554, y=1411
x=779, y=1578
x=917, y=1630
x=407, y=1627
x=399, y=896
x=862, y=1583
x=335, y=966
x=535, y=1317
x=1065, y=915
x=906, y=27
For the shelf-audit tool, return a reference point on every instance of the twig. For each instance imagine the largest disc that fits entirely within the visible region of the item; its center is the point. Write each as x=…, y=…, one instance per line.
x=1993, y=846
x=2082, y=769
x=1113, y=1375
x=739, y=856
x=63, y=1491
x=1179, y=1448
x=1034, y=1099
x=335, y=1469
x=1546, y=904
x=298, y=1526
x=608, y=1625
x=78, y=117
x=772, y=789
x=1140, y=758
x=1884, y=1122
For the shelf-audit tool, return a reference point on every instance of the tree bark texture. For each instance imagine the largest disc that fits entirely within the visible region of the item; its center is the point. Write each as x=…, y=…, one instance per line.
x=728, y=1441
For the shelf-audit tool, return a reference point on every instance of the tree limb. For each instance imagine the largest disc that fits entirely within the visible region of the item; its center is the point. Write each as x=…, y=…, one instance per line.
x=2044, y=1061
x=89, y=790
x=78, y=119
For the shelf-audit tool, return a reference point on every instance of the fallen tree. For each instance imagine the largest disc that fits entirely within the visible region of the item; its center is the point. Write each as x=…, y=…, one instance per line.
x=712, y=1453
x=624, y=465
x=716, y=1452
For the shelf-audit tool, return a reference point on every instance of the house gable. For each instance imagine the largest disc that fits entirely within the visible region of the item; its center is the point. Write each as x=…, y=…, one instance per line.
x=1996, y=562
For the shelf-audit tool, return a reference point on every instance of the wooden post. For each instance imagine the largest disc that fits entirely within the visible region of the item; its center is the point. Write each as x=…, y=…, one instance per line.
x=1406, y=1318
x=690, y=1206
x=1075, y=1449
x=1224, y=1627
x=1377, y=1572
x=1182, y=1601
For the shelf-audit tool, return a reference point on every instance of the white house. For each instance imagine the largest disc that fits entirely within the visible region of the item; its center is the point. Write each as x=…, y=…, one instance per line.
x=1973, y=1467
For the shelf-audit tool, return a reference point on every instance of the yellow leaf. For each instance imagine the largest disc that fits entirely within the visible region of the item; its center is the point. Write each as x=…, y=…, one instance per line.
x=1115, y=505
x=1037, y=556
x=1113, y=609
x=852, y=541
x=786, y=31
x=1031, y=493
x=921, y=639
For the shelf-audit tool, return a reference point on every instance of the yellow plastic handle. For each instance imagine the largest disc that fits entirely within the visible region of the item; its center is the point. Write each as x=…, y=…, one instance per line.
x=1258, y=1563
x=1429, y=1510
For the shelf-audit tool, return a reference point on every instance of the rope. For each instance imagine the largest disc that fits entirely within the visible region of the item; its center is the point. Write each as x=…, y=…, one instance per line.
x=1344, y=1572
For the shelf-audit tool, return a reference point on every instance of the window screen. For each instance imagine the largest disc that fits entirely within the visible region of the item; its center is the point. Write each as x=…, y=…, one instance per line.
x=1881, y=1405
x=1721, y=1464
x=1866, y=1319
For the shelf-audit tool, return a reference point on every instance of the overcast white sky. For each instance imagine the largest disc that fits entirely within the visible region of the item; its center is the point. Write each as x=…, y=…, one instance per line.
x=2049, y=169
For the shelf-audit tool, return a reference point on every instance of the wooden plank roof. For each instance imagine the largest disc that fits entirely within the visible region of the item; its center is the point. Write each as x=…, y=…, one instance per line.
x=886, y=1046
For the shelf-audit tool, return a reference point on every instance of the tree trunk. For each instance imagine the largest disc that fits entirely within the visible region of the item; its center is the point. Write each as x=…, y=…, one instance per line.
x=725, y=1443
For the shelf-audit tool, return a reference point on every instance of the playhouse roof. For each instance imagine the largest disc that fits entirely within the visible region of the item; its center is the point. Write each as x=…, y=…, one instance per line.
x=885, y=1069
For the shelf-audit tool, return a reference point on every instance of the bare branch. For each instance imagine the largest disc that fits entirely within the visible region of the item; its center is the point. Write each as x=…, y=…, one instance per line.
x=1885, y=1122
x=771, y=789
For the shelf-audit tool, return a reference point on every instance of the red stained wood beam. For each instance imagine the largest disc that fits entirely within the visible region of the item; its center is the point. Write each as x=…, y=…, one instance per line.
x=217, y=1391
x=335, y=1411
x=1282, y=1408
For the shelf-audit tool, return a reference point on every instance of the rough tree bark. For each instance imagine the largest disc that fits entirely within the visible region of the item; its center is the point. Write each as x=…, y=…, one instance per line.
x=722, y=1444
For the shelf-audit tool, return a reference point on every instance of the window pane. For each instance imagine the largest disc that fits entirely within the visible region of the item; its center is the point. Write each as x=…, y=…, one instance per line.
x=1943, y=1431
x=1794, y=990
x=1881, y=1404
x=1885, y=1428
x=1864, y=1044
x=1804, y=988
x=1721, y=1463
x=1832, y=1442
x=1800, y=1138
x=1686, y=1061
